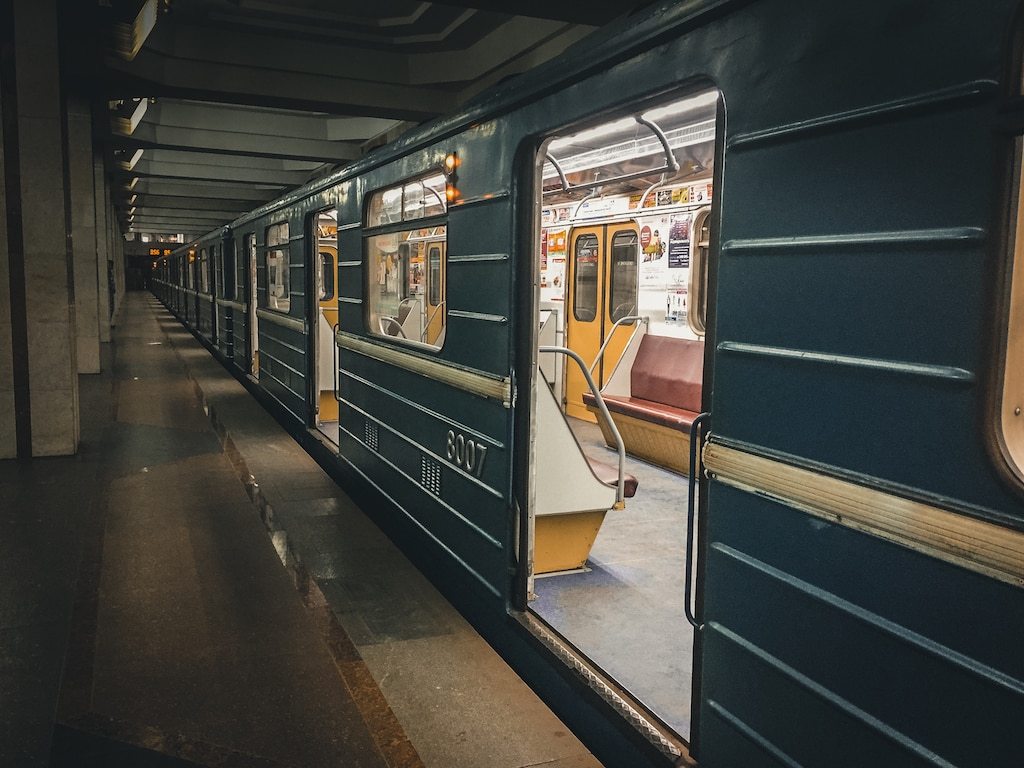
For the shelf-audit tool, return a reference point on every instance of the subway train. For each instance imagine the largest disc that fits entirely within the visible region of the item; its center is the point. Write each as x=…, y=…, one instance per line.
x=688, y=366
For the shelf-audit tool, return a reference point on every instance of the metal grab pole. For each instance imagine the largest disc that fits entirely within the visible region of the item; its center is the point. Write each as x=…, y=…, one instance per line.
x=695, y=432
x=608, y=338
x=620, y=490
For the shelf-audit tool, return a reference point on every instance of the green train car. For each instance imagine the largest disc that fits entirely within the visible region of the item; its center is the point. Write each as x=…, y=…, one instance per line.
x=690, y=367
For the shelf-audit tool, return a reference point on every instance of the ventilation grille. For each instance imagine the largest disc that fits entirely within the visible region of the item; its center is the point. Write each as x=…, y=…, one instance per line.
x=430, y=475
x=370, y=434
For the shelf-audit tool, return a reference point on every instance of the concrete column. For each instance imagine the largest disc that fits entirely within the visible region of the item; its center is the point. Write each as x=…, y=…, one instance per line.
x=46, y=388
x=102, y=200
x=8, y=427
x=118, y=271
x=83, y=234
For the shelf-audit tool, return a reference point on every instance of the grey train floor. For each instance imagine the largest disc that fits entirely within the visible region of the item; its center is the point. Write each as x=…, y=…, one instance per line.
x=198, y=639
x=626, y=610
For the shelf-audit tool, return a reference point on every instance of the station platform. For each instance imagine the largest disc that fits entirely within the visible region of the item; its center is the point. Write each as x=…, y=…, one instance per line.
x=192, y=589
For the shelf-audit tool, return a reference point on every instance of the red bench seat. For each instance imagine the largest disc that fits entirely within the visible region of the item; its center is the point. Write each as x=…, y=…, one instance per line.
x=665, y=385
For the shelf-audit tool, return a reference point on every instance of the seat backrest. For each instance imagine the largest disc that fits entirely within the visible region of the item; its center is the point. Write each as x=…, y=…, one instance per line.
x=403, y=310
x=669, y=371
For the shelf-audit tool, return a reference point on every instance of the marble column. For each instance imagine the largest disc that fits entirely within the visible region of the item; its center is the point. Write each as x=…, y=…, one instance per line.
x=83, y=233
x=101, y=196
x=40, y=274
x=8, y=425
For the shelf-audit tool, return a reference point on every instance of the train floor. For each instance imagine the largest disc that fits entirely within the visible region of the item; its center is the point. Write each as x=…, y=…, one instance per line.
x=192, y=589
x=625, y=610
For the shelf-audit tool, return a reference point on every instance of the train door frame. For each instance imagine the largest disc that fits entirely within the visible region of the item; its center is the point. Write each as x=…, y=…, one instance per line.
x=529, y=163
x=315, y=307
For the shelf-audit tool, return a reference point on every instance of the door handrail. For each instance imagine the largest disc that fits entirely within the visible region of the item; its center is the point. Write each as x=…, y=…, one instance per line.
x=621, y=321
x=620, y=488
x=430, y=319
x=696, y=464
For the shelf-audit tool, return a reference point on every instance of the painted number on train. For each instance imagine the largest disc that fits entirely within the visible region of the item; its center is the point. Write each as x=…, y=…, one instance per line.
x=464, y=453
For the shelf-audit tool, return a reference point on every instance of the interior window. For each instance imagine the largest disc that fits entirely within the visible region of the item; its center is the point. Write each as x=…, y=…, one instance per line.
x=585, y=276
x=326, y=276
x=278, y=277
x=434, y=277
x=623, y=275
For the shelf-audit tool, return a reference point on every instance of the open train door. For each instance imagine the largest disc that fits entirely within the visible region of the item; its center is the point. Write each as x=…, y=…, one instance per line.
x=323, y=256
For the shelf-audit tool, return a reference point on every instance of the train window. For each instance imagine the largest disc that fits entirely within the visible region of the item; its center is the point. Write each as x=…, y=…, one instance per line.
x=204, y=271
x=405, y=265
x=326, y=276
x=278, y=267
x=227, y=272
x=418, y=199
x=623, y=280
x=584, y=269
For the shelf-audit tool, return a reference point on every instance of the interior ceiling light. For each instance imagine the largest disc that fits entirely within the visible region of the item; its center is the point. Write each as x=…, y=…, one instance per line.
x=692, y=103
x=684, y=136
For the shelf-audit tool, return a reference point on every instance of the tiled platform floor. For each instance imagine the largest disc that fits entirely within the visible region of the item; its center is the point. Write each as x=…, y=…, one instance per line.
x=190, y=642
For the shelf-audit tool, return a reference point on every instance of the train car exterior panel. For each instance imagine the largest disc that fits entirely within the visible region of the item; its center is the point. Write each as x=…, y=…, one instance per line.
x=282, y=366
x=872, y=624
x=204, y=314
x=464, y=545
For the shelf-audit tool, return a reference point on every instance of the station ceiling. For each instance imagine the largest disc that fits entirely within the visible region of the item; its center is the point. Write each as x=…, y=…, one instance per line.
x=217, y=106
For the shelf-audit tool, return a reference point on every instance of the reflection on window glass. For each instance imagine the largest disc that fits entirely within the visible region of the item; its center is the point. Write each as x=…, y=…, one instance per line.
x=414, y=200
x=405, y=299
x=624, y=275
x=278, y=277
x=584, y=306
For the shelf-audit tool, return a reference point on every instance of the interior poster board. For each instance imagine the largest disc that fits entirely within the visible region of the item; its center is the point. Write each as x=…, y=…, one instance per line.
x=679, y=241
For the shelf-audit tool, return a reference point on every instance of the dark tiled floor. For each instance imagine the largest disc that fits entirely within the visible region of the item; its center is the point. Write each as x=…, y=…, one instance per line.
x=190, y=644
x=632, y=595
x=45, y=506
x=459, y=703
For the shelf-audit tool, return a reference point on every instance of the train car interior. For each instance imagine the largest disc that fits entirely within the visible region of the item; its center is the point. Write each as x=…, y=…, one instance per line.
x=325, y=242
x=625, y=205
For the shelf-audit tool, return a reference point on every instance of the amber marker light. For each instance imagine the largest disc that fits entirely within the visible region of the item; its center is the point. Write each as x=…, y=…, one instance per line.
x=451, y=177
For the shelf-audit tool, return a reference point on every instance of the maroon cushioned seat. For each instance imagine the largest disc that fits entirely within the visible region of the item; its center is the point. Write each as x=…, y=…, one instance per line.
x=609, y=475
x=665, y=415
x=665, y=382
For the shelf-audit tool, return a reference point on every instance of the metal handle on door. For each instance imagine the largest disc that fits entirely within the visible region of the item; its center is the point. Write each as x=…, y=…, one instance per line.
x=695, y=469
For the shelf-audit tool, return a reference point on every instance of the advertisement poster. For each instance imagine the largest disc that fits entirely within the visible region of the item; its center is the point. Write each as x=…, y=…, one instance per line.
x=679, y=242
x=552, y=264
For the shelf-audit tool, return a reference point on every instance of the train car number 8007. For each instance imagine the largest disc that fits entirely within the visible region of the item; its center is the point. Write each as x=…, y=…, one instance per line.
x=464, y=453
